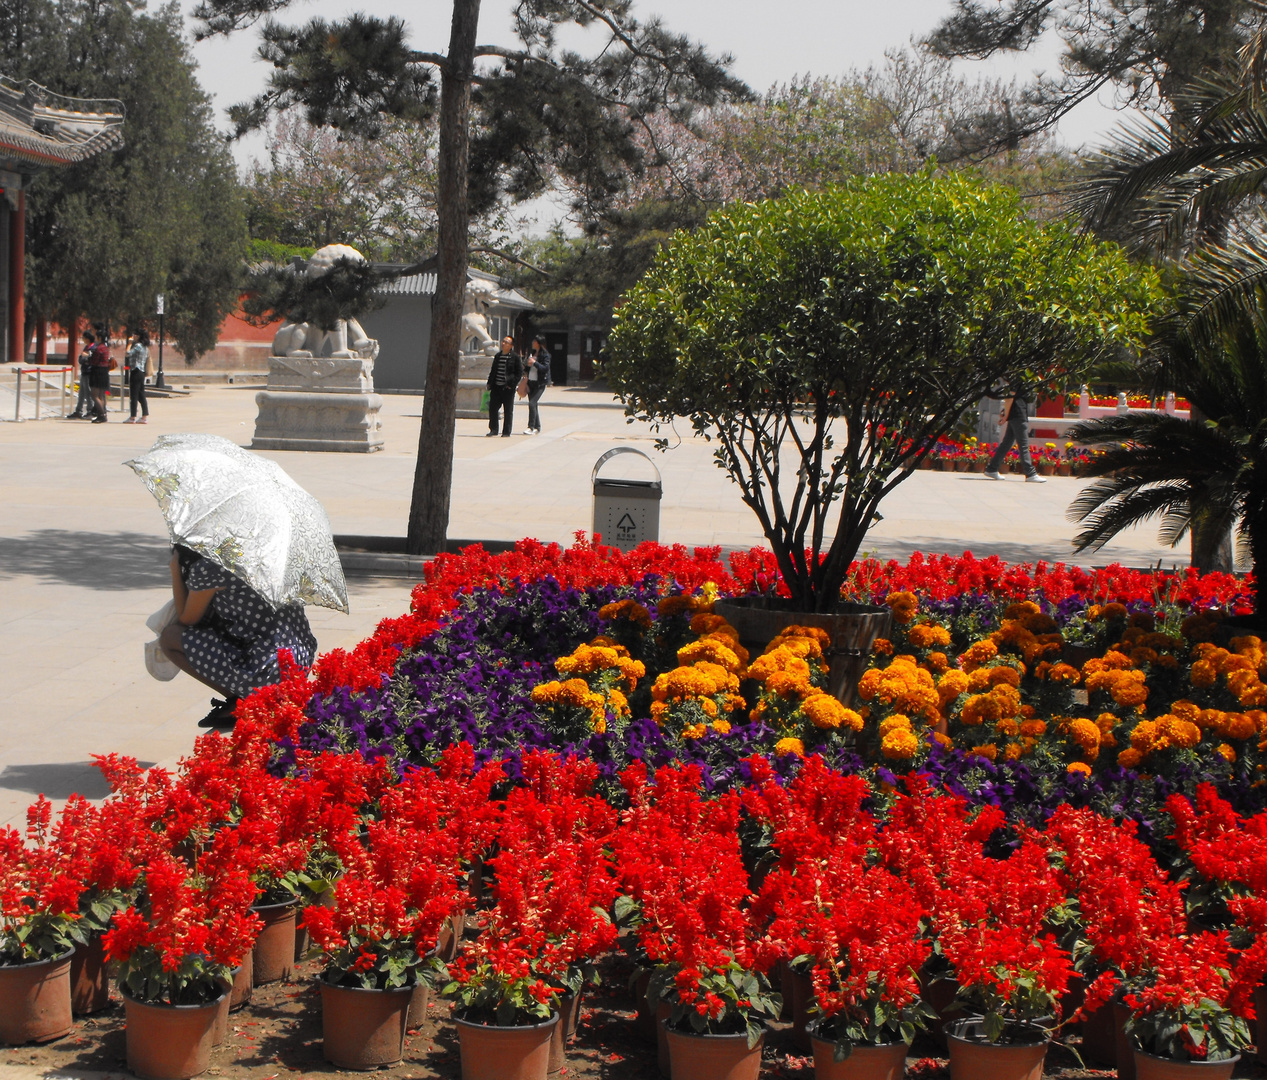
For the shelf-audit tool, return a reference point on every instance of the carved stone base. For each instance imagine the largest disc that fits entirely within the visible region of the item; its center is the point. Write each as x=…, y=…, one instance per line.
x=339, y=374
x=316, y=420
x=470, y=395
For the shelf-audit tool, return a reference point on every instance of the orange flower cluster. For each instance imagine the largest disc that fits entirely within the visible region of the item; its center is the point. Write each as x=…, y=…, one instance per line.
x=626, y=609
x=791, y=701
x=904, y=686
x=601, y=656
x=576, y=694
x=699, y=694
x=1027, y=631
x=1241, y=668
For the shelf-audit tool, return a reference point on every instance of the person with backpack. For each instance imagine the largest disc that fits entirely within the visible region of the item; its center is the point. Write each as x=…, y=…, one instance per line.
x=137, y=360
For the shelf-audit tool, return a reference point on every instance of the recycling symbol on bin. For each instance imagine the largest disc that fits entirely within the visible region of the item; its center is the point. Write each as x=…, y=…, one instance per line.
x=626, y=529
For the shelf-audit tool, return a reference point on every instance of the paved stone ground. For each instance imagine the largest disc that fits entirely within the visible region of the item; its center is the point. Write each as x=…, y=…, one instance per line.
x=83, y=551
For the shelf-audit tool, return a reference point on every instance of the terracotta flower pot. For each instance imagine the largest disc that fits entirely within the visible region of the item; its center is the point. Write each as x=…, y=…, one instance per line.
x=973, y=1058
x=169, y=1042
x=1148, y=1067
x=863, y=1063
x=1099, y=1037
x=713, y=1057
x=801, y=989
x=35, y=1001
x=662, y=1014
x=1125, y=1051
x=1064, y=469
x=243, y=983
x=89, y=978
x=451, y=936
x=274, y=952
x=505, y=1053
x=418, y=1002
x=363, y=1029
x=644, y=1012
x=562, y=1033
x=221, y=1030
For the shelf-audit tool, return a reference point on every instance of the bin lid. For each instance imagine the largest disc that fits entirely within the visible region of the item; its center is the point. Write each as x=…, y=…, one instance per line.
x=642, y=488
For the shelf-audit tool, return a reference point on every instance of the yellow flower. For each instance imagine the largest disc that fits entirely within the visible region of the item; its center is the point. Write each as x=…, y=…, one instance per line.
x=824, y=711
x=712, y=650
x=894, y=723
x=780, y=659
x=926, y=635
x=900, y=743
x=789, y=746
x=903, y=605
x=1086, y=734
x=626, y=609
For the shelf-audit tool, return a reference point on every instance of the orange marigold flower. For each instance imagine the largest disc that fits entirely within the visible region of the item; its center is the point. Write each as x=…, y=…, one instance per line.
x=825, y=712
x=943, y=740
x=1085, y=734
x=937, y=662
x=1130, y=758
x=927, y=635
x=1078, y=768
x=780, y=659
x=951, y=684
x=712, y=650
x=1004, y=674
x=789, y=746
x=1012, y=751
x=1007, y=727
x=904, y=605
x=1226, y=752
x=980, y=653
x=626, y=609
x=694, y=731
x=1034, y=729
x=722, y=727
x=882, y=647
x=899, y=744
x=892, y=723
x=1237, y=726
x=674, y=605
x=988, y=751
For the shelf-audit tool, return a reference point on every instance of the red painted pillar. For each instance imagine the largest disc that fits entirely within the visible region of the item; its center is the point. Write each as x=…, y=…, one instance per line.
x=41, y=341
x=17, y=281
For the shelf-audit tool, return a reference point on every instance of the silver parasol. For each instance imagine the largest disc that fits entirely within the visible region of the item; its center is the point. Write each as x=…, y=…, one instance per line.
x=243, y=512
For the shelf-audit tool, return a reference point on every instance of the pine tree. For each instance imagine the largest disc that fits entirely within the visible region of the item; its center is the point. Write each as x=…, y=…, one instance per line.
x=535, y=115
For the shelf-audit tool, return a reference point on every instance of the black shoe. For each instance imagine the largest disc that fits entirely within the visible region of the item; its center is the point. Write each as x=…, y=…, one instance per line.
x=221, y=717
x=75, y=416
x=505, y=434
x=101, y=420
x=491, y=435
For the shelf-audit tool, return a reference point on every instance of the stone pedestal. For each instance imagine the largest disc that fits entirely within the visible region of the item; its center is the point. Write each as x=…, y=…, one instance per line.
x=473, y=369
x=319, y=403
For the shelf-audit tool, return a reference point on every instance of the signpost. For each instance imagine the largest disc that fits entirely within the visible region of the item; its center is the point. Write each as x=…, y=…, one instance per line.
x=159, y=384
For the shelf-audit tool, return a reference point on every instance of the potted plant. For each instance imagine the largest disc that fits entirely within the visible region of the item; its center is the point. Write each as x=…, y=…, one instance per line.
x=39, y=906
x=505, y=1011
x=176, y=948
x=377, y=946
x=861, y=929
x=1181, y=1021
x=816, y=351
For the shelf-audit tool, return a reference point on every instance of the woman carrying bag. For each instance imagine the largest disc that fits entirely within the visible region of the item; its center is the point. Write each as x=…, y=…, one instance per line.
x=537, y=377
x=138, y=360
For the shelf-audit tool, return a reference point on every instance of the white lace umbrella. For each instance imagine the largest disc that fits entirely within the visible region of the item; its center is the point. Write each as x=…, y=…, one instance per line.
x=243, y=512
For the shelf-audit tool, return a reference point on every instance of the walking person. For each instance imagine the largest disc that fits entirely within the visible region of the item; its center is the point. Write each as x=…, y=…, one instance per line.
x=503, y=378
x=1014, y=418
x=138, y=361
x=83, y=406
x=538, y=376
x=100, y=366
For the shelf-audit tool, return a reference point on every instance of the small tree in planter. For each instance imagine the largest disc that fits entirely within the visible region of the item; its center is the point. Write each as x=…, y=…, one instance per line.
x=827, y=340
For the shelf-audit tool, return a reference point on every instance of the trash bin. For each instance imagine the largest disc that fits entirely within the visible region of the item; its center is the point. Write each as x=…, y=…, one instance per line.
x=626, y=512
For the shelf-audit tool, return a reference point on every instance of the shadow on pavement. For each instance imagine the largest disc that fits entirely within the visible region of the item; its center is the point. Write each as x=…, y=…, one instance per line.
x=90, y=560
x=59, y=780
x=1051, y=551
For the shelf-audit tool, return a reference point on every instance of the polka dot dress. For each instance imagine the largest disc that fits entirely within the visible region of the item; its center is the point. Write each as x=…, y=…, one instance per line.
x=235, y=644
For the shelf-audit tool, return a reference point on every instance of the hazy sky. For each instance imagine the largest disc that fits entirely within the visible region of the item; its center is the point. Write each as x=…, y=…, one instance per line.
x=771, y=41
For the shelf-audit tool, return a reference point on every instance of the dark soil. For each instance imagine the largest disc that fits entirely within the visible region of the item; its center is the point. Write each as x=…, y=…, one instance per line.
x=278, y=1037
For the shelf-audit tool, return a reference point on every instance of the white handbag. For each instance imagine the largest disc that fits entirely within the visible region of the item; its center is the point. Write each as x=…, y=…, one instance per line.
x=156, y=661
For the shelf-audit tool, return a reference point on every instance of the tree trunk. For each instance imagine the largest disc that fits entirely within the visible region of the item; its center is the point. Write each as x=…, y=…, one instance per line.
x=433, y=474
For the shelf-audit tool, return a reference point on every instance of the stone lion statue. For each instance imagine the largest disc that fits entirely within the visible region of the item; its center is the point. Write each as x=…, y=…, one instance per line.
x=478, y=299
x=347, y=340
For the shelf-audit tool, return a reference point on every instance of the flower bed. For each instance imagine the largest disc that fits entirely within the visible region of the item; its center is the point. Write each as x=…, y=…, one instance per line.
x=581, y=726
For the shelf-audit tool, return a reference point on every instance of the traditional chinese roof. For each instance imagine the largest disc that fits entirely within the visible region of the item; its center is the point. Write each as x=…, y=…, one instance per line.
x=419, y=279
x=39, y=128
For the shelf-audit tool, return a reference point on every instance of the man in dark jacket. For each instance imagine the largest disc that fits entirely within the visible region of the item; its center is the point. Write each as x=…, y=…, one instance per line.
x=1017, y=397
x=503, y=377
